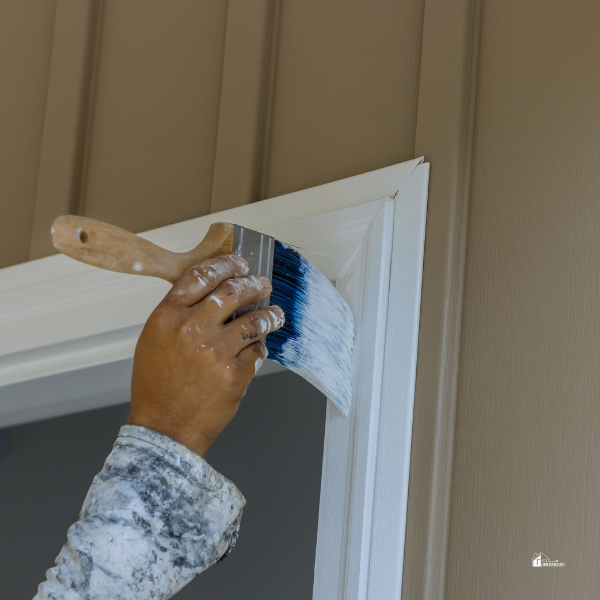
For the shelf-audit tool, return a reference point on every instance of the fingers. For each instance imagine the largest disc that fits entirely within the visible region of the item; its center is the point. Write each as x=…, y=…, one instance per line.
x=251, y=358
x=234, y=293
x=247, y=329
x=199, y=281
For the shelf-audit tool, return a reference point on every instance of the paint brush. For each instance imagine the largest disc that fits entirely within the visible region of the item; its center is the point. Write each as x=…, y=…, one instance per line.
x=317, y=338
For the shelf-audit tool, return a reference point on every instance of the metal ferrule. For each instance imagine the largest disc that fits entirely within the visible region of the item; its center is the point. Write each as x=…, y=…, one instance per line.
x=257, y=248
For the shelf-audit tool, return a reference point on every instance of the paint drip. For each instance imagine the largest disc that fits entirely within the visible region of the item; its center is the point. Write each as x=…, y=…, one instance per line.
x=317, y=338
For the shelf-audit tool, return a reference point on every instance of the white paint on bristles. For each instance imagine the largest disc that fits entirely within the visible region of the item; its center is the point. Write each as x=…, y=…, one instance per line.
x=317, y=339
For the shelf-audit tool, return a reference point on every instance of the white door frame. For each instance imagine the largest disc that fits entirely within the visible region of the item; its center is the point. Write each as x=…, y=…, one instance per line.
x=68, y=331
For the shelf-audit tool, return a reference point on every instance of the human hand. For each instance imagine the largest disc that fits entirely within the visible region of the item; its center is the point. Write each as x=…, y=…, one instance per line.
x=191, y=369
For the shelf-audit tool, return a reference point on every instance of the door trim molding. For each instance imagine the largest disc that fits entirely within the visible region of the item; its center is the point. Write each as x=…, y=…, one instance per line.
x=58, y=316
x=67, y=339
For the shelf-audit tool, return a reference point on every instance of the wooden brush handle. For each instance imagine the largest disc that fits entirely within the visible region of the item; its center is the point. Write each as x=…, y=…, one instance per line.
x=108, y=247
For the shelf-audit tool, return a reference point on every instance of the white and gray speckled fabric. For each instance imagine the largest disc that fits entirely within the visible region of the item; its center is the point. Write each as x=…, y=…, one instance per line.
x=156, y=516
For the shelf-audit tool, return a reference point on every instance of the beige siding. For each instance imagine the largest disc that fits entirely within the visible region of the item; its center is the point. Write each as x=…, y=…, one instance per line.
x=346, y=90
x=191, y=106
x=155, y=110
x=527, y=450
x=25, y=42
x=171, y=110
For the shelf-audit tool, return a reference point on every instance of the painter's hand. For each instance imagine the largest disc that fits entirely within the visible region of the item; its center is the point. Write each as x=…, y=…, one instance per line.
x=191, y=369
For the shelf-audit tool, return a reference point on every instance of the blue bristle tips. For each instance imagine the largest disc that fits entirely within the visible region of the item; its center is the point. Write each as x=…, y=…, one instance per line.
x=317, y=339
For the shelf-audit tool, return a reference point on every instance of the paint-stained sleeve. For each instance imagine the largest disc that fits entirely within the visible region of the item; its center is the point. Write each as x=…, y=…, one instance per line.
x=156, y=516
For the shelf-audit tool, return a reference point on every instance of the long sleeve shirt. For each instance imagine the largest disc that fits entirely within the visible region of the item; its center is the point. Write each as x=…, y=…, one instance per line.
x=155, y=516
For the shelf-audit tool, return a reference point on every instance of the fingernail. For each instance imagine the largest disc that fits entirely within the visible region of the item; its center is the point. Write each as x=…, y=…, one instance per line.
x=264, y=281
x=241, y=261
x=278, y=311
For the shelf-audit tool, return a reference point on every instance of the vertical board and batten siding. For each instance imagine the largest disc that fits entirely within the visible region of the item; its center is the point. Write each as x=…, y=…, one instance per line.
x=445, y=123
x=501, y=98
x=345, y=92
x=152, y=133
x=26, y=30
x=527, y=449
x=172, y=110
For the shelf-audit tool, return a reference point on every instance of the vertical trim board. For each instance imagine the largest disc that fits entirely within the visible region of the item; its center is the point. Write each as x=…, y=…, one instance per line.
x=244, y=111
x=398, y=389
x=65, y=118
x=345, y=509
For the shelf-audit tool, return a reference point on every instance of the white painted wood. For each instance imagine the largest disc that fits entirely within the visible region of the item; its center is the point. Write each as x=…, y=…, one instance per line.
x=58, y=315
x=67, y=334
x=66, y=393
x=350, y=442
x=398, y=390
x=95, y=317
x=364, y=488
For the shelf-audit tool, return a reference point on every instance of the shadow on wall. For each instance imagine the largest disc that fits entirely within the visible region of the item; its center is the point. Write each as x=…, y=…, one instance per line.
x=272, y=451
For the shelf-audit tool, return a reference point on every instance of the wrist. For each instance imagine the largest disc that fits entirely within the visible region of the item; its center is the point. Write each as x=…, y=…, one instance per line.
x=193, y=439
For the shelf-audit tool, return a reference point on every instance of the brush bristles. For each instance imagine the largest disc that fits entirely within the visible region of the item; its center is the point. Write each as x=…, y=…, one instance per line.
x=318, y=336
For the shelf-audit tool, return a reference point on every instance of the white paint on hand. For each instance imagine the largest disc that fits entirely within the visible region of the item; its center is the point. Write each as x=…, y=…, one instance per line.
x=277, y=320
x=194, y=288
x=52, y=229
x=215, y=299
x=77, y=233
x=257, y=365
x=138, y=266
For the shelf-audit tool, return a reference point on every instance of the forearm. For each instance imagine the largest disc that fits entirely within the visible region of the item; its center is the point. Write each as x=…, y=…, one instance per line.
x=156, y=516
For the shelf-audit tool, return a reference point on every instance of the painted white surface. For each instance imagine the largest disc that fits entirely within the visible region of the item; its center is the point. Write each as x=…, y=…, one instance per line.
x=95, y=317
x=57, y=315
x=366, y=462
x=67, y=334
x=398, y=390
x=350, y=442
